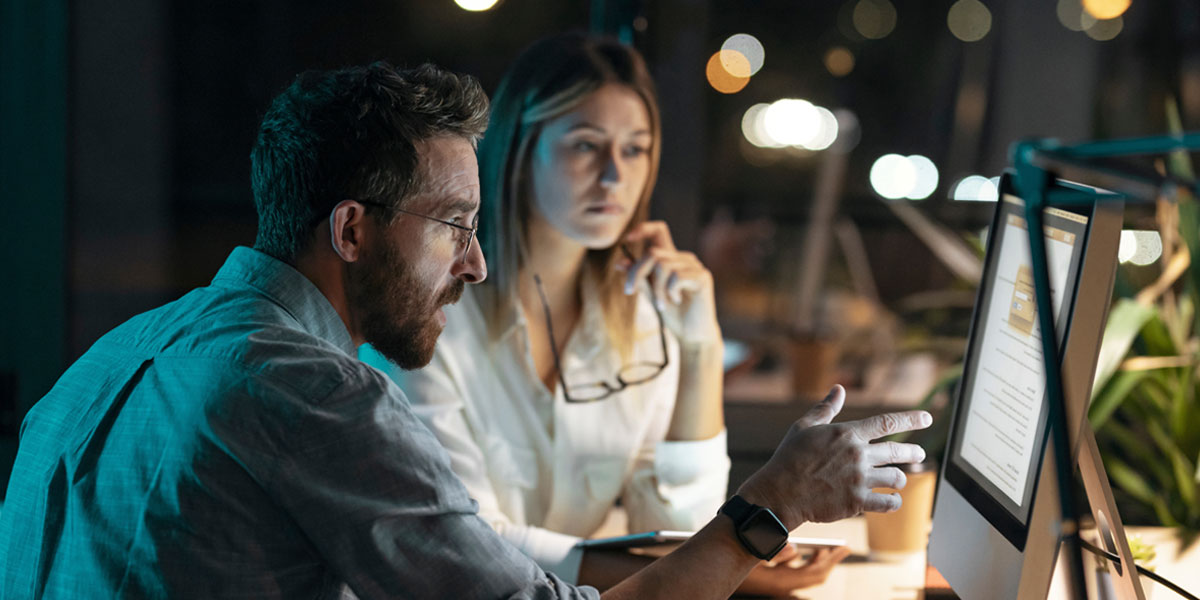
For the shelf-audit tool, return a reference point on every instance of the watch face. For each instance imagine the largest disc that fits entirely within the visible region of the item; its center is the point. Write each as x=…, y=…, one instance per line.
x=763, y=532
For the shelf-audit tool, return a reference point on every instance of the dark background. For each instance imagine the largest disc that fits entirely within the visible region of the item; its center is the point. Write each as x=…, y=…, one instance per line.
x=126, y=125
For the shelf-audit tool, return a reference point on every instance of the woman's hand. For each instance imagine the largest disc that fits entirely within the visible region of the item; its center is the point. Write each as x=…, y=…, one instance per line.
x=682, y=286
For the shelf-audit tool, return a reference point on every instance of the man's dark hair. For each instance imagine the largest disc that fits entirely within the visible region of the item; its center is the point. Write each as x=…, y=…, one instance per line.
x=351, y=134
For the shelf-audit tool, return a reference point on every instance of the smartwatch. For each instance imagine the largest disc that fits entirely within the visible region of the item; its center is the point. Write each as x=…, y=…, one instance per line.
x=758, y=529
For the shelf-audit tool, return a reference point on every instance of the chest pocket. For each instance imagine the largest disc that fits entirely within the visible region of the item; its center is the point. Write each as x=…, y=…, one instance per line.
x=603, y=478
x=509, y=465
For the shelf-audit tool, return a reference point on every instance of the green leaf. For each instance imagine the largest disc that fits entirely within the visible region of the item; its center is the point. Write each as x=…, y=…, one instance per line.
x=1180, y=464
x=1180, y=404
x=1125, y=321
x=1179, y=162
x=1139, y=450
x=1189, y=232
x=1157, y=393
x=1164, y=513
x=1113, y=394
x=1157, y=337
x=1129, y=480
x=1187, y=309
x=1179, y=322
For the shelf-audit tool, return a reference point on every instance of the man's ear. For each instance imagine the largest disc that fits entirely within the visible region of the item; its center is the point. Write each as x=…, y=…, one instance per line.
x=347, y=229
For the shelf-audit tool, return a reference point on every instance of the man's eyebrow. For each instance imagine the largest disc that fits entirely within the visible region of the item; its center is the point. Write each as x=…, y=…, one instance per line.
x=462, y=205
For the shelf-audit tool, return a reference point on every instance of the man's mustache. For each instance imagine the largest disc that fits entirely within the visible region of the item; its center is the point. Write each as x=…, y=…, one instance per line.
x=452, y=293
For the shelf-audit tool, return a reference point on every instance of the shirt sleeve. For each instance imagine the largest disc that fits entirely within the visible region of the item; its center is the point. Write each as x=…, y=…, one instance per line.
x=673, y=484
x=677, y=485
x=373, y=491
x=440, y=406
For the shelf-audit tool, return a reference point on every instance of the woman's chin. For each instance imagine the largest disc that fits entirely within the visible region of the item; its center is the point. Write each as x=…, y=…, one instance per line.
x=597, y=238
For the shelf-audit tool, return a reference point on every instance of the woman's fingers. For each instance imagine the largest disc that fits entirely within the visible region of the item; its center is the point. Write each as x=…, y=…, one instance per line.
x=655, y=234
x=659, y=281
x=670, y=274
x=638, y=271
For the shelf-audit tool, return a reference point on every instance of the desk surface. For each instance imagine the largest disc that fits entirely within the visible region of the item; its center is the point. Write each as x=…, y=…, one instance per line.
x=863, y=575
x=859, y=576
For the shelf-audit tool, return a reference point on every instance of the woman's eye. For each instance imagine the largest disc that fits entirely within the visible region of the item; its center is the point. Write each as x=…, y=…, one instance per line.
x=584, y=146
x=636, y=151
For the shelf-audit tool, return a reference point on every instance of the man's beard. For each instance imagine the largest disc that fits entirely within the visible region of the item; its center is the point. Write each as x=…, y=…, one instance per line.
x=396, y=311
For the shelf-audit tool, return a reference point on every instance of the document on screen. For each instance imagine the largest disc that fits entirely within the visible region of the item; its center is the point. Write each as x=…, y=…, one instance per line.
x=1009, y=384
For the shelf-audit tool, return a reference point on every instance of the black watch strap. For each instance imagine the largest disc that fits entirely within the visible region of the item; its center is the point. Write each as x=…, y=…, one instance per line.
x=737, y=508
x=757, y=528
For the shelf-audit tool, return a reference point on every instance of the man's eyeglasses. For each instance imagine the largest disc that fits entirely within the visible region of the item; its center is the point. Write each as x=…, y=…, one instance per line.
x=465, y=237
x=631, y=374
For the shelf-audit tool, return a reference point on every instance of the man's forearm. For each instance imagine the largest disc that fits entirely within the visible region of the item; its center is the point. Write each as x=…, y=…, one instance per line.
x=710, y=565
x=603, y=569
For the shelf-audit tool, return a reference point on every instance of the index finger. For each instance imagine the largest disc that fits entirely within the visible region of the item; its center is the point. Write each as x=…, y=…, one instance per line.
x=655, y=232
x=889, y=423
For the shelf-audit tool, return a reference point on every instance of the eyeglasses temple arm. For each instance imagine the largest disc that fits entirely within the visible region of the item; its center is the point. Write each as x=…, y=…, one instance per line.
x=550, y=330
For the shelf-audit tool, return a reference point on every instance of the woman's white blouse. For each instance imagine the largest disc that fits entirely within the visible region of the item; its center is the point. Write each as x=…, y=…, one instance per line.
x=546, y=472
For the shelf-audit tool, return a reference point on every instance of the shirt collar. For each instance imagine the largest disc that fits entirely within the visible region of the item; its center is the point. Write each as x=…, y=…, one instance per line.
x=290, y=289
x=590, y=336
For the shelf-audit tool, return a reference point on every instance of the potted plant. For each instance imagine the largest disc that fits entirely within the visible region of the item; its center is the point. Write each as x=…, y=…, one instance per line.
x=1146, y=397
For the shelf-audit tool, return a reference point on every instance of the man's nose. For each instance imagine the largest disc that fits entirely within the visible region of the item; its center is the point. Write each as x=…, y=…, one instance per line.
x=474, y=268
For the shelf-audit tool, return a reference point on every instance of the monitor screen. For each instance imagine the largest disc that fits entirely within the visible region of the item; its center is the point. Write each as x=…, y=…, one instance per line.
x=1000, y=432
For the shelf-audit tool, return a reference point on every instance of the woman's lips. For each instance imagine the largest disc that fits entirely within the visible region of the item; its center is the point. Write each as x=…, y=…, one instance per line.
x=605, y=208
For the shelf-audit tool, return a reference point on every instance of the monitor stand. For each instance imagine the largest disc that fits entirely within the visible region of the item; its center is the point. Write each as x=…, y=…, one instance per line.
x=1124, y=576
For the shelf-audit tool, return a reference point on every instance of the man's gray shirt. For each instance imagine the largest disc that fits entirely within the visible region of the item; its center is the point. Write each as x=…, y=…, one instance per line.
x=230, y=445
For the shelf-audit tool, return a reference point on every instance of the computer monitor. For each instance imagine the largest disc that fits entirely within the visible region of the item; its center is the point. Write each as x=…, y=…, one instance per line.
x=996, y=525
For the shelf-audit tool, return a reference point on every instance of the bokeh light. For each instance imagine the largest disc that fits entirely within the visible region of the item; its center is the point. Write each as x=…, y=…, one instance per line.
x=719, y=75
x=874, y=19
x=827, y=132
x=1139, y=247
x=1102, y=31
x=735, y=63
x=969, y=20
x=839, y=61
x=750, y=49
x=754, y=127
x=975, y=188
x=893, y=176
x=792, y=122
x=926, y=178
x=1105, y=9
x=1070, y=14
x=475, y=5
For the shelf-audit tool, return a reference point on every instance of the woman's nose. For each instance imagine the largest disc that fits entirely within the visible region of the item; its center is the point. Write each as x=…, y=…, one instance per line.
x=611, y=177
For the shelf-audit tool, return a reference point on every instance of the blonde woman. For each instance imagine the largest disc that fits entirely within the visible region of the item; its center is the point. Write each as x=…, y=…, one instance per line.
x=586, y=370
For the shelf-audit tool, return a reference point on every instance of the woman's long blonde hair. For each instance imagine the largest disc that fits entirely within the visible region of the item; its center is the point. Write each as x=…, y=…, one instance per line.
x=548, y=79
